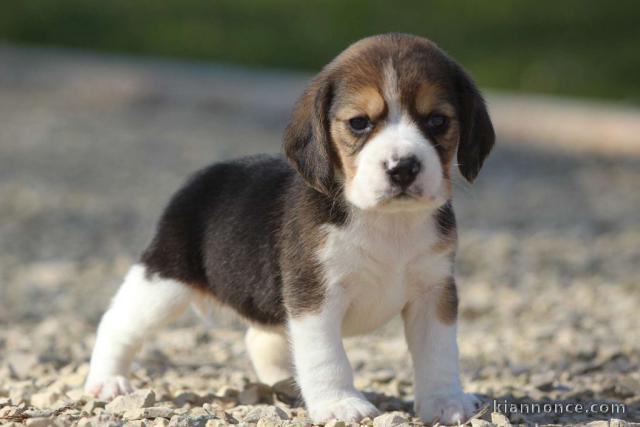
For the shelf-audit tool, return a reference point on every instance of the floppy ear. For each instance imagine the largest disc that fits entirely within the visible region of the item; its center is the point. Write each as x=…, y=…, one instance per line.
x=476, y=131
x=307, y=142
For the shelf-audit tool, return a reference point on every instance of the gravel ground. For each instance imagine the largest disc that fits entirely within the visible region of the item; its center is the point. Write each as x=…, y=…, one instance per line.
x=91, y=147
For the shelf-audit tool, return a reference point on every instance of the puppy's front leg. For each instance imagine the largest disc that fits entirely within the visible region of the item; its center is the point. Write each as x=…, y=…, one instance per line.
x=323, y=371
x=430, y=329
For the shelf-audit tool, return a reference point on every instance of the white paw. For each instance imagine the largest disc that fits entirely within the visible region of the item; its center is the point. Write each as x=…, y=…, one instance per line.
x=108, y=388
x=449, y=409
x=349, y=409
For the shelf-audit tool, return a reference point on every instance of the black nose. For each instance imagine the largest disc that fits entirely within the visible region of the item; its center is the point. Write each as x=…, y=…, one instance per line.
x=404, y=172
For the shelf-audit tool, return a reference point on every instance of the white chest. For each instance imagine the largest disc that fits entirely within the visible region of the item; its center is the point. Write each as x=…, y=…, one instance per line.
x=378, y=264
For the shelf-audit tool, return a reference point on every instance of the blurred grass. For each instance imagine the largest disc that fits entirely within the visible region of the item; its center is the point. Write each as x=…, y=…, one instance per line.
x=570, y=47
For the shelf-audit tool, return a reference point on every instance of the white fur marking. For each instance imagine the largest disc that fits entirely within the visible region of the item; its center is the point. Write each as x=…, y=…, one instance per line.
x=434, y=351
x=382, y=261
x=391, y=91
x=140, y=306
x=269, y=353
x=373, y=267
x=323, y=371
x=371, y=187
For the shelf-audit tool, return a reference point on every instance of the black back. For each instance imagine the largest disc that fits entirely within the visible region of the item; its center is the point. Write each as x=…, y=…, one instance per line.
x=221, y=233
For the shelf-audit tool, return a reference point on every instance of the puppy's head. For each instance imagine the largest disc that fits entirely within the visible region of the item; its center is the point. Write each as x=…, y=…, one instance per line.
x=383, y=123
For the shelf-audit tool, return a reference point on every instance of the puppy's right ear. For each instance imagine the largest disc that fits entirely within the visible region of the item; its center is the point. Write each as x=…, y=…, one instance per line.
x=307, y=142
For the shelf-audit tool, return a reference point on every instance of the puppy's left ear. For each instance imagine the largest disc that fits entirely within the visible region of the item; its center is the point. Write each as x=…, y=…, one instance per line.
x=307, y=142
x=476, y=130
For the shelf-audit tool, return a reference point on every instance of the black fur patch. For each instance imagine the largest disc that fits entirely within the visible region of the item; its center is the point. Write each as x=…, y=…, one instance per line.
x=446, y=220
x=448, y=302
x=223, y=233
x=306, y=211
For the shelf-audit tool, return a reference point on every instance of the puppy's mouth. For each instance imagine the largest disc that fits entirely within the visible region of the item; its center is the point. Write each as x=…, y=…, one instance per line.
x=410, y=193
x=408, y=199
x=404, y=195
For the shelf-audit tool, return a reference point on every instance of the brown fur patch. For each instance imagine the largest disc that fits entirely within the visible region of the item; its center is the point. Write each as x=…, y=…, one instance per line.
x=345, y=153
x=431, y=97
x=365, y=101
x=447, y=306
x=362, y=101
x=302, y=276
x=304, y=290
x=307, y=142
x=447, y=233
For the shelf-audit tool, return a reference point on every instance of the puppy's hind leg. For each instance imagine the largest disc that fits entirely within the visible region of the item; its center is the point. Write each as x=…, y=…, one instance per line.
x=270, y=354
x=142, y=304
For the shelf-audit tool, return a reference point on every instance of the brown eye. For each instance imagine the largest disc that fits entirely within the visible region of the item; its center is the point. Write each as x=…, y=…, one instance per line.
x=360, y=124
x=436, y=124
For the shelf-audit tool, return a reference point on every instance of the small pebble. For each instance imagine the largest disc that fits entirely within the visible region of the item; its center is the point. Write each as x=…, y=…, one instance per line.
x=136, y=400
x=500, y=419
x=390, y=419
x=44, y=399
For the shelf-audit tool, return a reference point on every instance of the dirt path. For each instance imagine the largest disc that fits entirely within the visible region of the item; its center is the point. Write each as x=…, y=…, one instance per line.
x=92, y=146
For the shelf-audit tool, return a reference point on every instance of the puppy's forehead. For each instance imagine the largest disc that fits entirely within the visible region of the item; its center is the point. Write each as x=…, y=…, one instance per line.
x=398, y=67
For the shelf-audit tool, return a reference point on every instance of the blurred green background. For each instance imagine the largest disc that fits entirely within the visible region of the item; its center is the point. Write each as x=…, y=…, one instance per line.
x=571, y=47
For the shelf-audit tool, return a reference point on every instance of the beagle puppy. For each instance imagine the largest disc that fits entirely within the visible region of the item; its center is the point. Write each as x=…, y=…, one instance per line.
x=354, y=227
